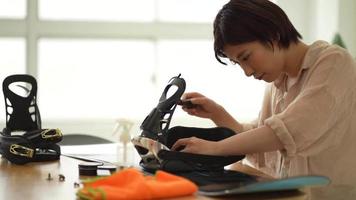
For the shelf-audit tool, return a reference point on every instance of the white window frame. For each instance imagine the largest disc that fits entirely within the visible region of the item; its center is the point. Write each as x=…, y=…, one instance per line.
x=32, y=29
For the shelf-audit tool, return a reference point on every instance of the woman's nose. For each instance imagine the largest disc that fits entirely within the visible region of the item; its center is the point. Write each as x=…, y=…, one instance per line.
x=248, y=70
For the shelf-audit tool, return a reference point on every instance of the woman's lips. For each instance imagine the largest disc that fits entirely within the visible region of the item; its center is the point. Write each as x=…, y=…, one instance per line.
x=260, y=76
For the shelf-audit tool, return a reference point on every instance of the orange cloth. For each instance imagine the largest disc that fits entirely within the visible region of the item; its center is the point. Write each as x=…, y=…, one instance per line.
x=132, y=184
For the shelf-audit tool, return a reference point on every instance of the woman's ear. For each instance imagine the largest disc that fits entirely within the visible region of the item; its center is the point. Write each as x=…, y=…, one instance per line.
x=272, y=44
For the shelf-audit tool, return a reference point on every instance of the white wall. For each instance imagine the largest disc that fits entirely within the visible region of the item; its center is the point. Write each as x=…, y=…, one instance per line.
x=326, y=19
x=300, y=13
x=347, y=24
x=321, y=19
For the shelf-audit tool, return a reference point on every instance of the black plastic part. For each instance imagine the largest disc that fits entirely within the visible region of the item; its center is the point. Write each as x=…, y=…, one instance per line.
x=176, y=161
x=20, y=118
x=156, y=124
x=91, y=168
x=88, y=171
x=88, y=168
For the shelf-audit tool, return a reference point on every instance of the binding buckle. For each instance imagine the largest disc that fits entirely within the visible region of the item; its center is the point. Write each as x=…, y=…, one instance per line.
x=51, y=133
x=21, y=150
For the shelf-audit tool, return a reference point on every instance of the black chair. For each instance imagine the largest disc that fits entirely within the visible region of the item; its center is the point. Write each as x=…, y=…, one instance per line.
x=82, y=139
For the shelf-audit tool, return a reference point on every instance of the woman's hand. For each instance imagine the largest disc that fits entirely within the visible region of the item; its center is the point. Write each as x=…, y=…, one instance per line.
x=262, y=139
x=197, y=146
x=205, y=107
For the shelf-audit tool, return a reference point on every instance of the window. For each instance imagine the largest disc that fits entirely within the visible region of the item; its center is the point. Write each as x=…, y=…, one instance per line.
x=98, y=60
x=95, y=78
x=12, y=61
x=171, y=10
x=97, y=10
x=12, y=9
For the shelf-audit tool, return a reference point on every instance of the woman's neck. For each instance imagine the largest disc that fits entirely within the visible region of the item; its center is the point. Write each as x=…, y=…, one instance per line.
x=294, y=57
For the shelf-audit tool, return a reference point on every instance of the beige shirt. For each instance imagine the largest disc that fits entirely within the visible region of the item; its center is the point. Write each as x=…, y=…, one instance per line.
x=315, y=118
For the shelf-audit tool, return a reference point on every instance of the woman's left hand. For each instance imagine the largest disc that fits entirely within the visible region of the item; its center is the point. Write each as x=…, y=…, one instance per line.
x=197, y=146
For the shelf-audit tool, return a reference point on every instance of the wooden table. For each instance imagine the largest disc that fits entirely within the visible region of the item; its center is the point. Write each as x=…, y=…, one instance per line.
x=30, y=182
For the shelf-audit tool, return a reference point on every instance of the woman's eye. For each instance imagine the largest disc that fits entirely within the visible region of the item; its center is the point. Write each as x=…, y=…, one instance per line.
x=245, y=58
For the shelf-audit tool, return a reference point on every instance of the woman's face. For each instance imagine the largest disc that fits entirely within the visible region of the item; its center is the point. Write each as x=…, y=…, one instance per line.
x=257, y=59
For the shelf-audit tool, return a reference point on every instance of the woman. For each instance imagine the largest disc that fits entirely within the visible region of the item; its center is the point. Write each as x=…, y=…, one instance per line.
x=307, y=120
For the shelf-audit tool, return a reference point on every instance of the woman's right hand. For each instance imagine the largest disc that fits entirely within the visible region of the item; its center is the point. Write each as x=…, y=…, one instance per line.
x=204, y=107
x=207, y=108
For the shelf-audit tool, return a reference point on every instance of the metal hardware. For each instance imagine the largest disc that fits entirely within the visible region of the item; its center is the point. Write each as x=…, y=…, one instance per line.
x=48, y=133
x=21, y=150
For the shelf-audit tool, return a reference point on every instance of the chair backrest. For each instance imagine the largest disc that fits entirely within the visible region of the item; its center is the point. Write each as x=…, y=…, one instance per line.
x=82, y=139
x=22, y=113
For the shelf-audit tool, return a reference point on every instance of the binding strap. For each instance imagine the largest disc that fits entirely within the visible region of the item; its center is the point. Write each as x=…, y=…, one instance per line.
x=33, y=146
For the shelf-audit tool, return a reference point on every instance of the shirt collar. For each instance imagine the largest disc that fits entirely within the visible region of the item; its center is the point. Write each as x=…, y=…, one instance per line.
x=280, y=81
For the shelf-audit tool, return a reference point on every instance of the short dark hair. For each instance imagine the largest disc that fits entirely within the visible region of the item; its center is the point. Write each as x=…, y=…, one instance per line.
x=241, y=21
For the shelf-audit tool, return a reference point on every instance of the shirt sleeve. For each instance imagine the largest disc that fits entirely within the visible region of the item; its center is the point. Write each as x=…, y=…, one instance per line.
x=316, y=119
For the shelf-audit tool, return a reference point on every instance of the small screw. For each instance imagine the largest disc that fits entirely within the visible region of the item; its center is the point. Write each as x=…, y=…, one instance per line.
x=49, y=177
x=76, y=185
x=61, y=177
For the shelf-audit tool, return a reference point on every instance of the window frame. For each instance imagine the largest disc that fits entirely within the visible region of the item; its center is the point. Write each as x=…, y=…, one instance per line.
x=32, y=29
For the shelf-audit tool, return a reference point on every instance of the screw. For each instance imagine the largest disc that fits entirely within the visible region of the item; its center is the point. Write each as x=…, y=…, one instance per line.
x=76, y=185
x=49, y=177
x=61, y=177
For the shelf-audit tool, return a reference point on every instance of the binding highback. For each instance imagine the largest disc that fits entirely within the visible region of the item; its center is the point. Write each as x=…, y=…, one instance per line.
x=22, y=113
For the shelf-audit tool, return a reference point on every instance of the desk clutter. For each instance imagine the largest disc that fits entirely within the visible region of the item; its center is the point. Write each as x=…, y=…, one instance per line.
x=22, y=115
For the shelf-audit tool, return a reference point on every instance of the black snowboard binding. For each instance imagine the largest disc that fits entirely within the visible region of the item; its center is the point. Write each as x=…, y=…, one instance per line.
x=22, y=114
x=156, y=139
